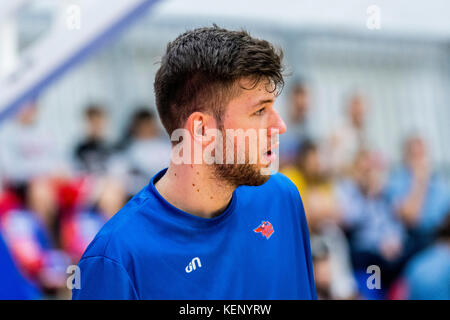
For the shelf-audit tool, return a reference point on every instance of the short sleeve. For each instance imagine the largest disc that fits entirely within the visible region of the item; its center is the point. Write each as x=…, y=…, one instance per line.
x=103, y=279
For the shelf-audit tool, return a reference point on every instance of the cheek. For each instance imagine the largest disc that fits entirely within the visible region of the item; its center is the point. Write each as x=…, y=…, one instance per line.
x=245, y=123
x=254, y=123
x=234, y=122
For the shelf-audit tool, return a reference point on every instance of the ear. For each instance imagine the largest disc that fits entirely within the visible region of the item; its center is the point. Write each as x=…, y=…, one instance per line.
x=197, y=124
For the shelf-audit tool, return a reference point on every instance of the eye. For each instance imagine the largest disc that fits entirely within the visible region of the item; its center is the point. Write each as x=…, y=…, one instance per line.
x=260, y=111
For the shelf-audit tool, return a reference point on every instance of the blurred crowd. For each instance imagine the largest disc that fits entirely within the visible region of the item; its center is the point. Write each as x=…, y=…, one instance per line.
x=362, y=211
x=366, y=213
x=51, y=207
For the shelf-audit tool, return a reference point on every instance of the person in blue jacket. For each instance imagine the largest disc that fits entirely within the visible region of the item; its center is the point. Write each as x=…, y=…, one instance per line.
x=218, y=223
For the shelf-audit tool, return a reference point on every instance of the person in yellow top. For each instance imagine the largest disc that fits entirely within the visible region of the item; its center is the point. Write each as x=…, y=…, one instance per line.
x=314, y=186
x=333, y=272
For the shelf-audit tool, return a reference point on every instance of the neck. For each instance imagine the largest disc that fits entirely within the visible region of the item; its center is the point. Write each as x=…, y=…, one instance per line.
x=194, y=189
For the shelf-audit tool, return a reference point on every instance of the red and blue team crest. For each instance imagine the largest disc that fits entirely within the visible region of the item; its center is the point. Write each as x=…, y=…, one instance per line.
x=265, y=228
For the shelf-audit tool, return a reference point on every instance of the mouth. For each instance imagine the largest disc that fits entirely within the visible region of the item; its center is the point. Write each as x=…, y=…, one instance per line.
x=270, y=156
x=273, y=147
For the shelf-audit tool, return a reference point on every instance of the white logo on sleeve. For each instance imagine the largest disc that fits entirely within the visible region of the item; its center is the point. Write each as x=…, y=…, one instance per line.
x=192, y=265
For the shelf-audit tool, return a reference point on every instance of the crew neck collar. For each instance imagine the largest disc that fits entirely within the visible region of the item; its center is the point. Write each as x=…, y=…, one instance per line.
x=184, y=217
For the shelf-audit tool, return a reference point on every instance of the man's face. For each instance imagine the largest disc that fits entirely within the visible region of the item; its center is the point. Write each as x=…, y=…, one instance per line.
x=357, y=111
x=251, y=111
x=415, y=151
x=312, y=165
x=96, y=125
x=28, y=114
x=146, y=129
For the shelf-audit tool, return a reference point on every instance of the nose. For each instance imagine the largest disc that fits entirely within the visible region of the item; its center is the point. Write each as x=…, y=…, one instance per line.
x=277, y=123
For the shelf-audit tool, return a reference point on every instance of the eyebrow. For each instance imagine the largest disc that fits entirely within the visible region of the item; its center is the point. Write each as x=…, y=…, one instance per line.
x=264, y=101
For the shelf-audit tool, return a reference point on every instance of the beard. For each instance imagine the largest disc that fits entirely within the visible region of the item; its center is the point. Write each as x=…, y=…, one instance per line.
x=239, y=174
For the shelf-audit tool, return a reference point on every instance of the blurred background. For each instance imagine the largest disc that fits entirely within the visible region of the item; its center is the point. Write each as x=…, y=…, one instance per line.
x=366, y=102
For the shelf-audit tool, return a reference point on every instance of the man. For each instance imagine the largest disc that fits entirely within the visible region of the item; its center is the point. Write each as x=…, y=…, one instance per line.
x=204, y=230
x=299, y=125
x=28, y=150
x=348, y=139
x=142, y=143
x=92, y=153
x=376, y=236
x=419, y=195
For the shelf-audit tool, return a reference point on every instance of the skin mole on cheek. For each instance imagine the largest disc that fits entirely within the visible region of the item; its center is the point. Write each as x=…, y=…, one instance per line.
x=193, y=184
x=198, y=173
x=211, y=198
x=198, y=190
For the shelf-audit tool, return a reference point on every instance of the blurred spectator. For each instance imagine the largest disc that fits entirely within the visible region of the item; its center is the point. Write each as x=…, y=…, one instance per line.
x=33, y=249
x=143, y=151
x=79, y=229
x=32, y=166
x=37, y=189
x=314, y=185
x=298, y=126
x=419, y=196
x=376, y=235
x=345, y=141
x=333, y=272
x=322, y=269
x=427, y=275
x=318, y=195
x=92, y=153
x=28, y=150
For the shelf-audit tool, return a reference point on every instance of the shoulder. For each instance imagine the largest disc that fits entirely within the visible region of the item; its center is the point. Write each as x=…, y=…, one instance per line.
x=280, y=180
x=277, y=188
x=280, y=185
x=120, y=236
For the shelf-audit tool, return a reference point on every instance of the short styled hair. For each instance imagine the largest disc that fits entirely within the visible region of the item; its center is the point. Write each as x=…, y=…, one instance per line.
x=201, y=69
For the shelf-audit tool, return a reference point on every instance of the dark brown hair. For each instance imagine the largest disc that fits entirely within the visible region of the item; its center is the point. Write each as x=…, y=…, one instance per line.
x=93, y=110
x=201, y=68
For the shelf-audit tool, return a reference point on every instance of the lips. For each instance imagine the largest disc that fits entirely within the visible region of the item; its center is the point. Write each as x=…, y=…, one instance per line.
x=269, y=150
x=270, y=156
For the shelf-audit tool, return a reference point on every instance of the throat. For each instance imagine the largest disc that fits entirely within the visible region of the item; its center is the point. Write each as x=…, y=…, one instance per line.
x=194, y=192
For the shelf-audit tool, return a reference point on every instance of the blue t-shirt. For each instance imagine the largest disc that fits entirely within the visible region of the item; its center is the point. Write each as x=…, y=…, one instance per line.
x=258, y=248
